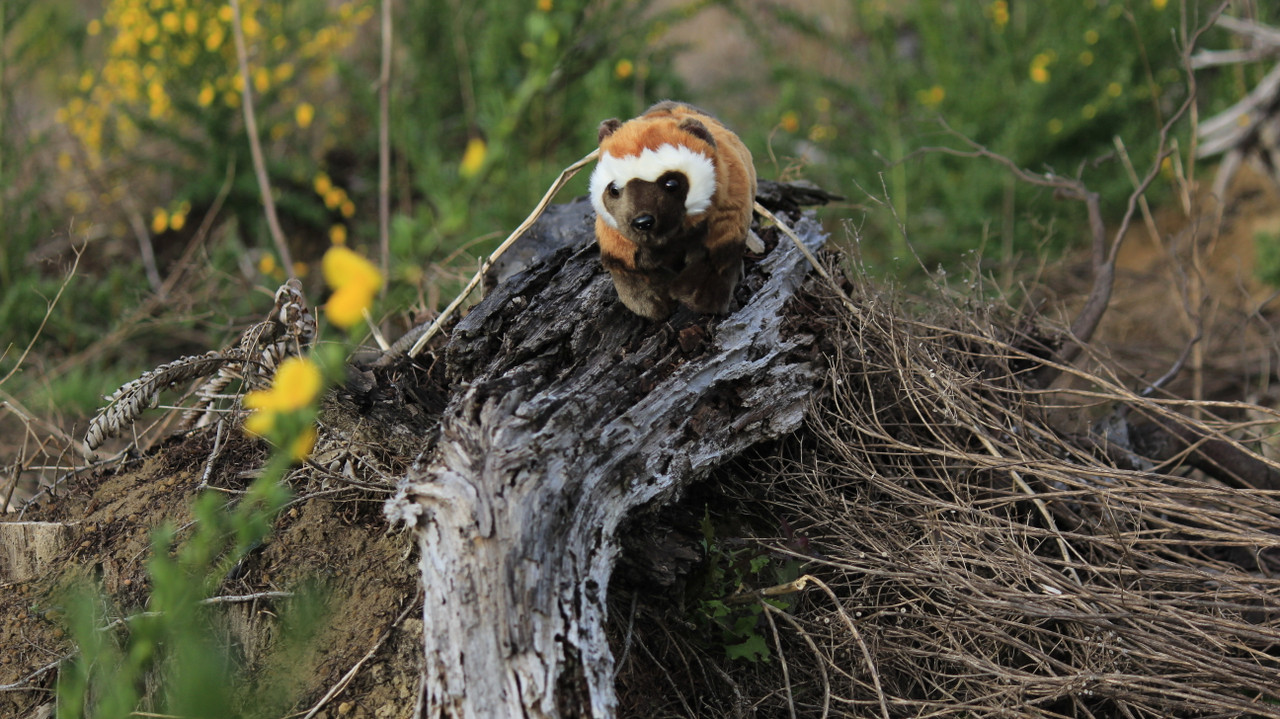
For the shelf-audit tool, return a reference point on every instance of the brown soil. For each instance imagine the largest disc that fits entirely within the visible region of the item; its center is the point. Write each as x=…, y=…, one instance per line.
x=1197, y=276
x=368, y=577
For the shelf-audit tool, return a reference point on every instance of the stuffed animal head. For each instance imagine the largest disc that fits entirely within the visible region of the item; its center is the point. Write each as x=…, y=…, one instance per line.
x=654, y=175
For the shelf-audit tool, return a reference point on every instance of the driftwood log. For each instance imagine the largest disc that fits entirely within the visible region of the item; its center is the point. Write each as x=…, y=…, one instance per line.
x=568, y=417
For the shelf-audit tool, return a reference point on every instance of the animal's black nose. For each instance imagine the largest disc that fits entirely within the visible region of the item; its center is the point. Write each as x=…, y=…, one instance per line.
x=644, y=223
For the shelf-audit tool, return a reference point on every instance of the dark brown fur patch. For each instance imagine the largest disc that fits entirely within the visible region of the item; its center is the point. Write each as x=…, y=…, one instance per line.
x=640, y=199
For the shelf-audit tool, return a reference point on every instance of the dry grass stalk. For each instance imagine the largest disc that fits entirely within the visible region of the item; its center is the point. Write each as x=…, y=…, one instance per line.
x=288, y=330
x=420, y=339
x=982, y=561
x=127, y=403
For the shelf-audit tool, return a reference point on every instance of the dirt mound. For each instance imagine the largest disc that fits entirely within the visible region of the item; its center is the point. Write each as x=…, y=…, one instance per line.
x=335, y=537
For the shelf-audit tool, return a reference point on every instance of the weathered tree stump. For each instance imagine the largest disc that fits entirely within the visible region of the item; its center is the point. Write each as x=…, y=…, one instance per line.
x=568, y=416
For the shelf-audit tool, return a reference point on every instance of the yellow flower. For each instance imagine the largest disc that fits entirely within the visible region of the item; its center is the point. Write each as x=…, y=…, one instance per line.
x=1159, y=4
x=1054, y=126
x=473, y=157
x=1089, y=111
x=1091, y=37
x=1086, y=58
x=177, y=221
x=252, y=28
x=821, y=133
x=999, y=12
x=296, y=386
x=932, y=97
x=544, y=5
x=1115, y=89
x=267, y=264
x=300, y=269
x=214, y=39
x=334, y=196
x=624, y=69
x=347, y=208
x=303, y=444
x=94, y=27
x=260, y=424
x=304, y=114
x=338, y=234
x=345, y=268
x=205, y=98
x=346, y=306
x=322, y=183
x=261, y=79
x=354, y=280
x=1040, y=68
x=159, y=220
x=790, y=121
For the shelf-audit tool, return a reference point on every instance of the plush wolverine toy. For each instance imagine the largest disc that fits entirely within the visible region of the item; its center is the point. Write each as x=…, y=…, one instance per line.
x=673, y=191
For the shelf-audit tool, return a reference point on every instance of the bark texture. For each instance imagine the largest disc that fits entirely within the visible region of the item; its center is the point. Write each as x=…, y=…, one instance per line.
x=570, y=416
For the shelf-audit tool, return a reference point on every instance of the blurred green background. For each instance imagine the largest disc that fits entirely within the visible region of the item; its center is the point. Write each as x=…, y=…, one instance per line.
x=123, y=145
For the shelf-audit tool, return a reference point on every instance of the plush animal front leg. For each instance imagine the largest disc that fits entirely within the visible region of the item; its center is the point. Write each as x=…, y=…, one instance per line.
x=642, y=292
x=708, y=280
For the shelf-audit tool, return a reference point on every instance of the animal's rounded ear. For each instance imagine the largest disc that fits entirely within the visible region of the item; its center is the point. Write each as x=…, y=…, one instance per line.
x=608, y=127
x=697, y=129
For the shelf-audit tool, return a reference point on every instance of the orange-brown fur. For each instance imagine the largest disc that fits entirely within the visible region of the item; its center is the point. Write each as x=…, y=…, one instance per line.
x=703, y=270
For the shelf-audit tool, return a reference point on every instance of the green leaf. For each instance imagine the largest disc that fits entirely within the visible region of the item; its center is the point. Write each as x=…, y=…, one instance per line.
x=753, y=649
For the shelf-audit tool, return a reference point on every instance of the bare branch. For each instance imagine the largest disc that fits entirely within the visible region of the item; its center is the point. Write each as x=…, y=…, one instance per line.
x=420, y=340
x=384, y=145
x=255, y=143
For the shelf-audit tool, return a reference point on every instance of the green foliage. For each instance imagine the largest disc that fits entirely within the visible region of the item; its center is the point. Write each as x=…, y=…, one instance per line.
x=177, y=638
x=167, y=98
x=30, y=34
x=494, y=100
x=735, y=570
x=1049, y=85
x=177, y=634
x=1267, y=261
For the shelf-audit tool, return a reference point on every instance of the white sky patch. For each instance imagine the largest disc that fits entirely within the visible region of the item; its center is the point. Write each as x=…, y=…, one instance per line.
x=649, y=165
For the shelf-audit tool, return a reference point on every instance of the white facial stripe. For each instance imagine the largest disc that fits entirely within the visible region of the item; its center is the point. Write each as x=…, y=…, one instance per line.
x=649, y=165
x=595, y=188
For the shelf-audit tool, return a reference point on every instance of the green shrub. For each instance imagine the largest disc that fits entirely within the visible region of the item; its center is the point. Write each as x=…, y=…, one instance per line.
x=493, y=100
x=1267, y=263
x=161, y=107
x=1049, y=85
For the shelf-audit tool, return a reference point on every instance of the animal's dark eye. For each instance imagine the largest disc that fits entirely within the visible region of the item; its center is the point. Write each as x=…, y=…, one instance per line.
x=613, y=190
x=672, y=182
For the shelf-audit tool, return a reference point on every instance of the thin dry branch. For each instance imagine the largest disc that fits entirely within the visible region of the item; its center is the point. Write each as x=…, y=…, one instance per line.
x=255, y=143
x=982, y=561
x=48, y=311
x=342, y=683
x=1103, y=252
x=384, y=145
x=420, y=336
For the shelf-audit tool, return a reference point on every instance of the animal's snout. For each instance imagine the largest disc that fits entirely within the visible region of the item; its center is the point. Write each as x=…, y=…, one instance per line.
x=644, y=223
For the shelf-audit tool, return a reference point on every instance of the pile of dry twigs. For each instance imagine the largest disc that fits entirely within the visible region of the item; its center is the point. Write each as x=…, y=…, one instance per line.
x=972, y=554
